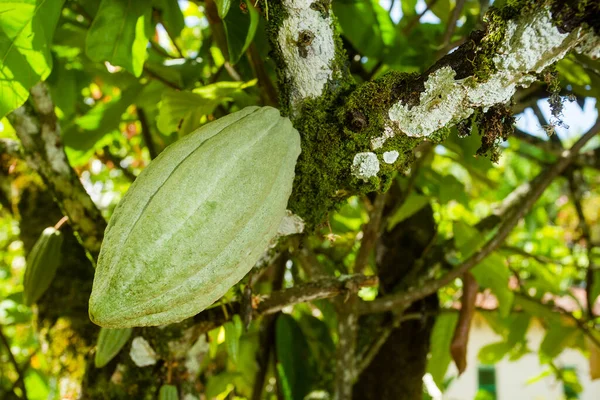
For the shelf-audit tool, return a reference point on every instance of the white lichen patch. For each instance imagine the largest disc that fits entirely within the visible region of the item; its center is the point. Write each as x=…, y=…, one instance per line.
x=390, y=157
x=378, y=142
x=291, y=224
x=590, y=45
x=308, y=60
x=530, y=45
x=439, y=105
x=142, y=353
x=365, y=165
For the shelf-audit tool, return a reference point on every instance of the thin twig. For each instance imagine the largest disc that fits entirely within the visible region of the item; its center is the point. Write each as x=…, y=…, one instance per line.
x=14, y=362
x=451, y=26
x=575, y=189
x=159, y=78
x=415, y=20
x=537, y=257
x=276, y=301
x=509, y=220
x=589, y=332
x=371, y=233
x=146, y=134
x=116, y=161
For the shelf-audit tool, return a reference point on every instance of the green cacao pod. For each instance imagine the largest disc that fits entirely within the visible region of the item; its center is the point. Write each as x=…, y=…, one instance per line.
x=196, y=220
x=42, y=262
x=110, y=342
x=168, y=392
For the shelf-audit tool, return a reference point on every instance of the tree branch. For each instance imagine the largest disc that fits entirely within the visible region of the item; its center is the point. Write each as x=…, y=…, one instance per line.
x=472, y=78
x=10, y=147
x=509, y=219
x=304, y=43
x=146, y=134
x=38, y=129
x=276, y=301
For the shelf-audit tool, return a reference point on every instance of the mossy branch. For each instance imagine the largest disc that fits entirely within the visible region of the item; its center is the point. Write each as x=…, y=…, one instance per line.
x=38, y=129
x=355, y=138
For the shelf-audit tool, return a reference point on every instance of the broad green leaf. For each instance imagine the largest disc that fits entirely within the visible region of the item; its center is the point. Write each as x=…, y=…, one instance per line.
x=119, y=35
x=413, y=203
x=36, y=384
x=291, y=346
x=233, y=332
x=441, y=337
x=223, y=7
x=26, y=31
x=366, y=25
x=182, y=111
x=170, y=16
x=493, y=352
x=492, y=271
x=220, y=385
x=285, y=384
x=99, y=121
x=557, y=338
x=240, y=27
x=63, y=88
x=110, y=343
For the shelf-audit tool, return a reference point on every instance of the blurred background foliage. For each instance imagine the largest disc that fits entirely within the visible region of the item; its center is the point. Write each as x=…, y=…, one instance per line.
x=119, y=109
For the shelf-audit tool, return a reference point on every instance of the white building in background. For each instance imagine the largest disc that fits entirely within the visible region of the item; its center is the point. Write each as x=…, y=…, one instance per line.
x=510, y=379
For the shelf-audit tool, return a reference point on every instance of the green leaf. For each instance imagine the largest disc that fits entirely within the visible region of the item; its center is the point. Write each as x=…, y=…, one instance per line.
x=240, y=28
x=220, y=384
x=366, y=25
x=63, y=88
x=182, y=111
x=285, y=385
x=168, y=392
x=233, y=332
x=413, y=203
x=223, y=7
x=290, y=346
x=492, y=271
x=557, y=338
x=441, y=336
x=118, y=34
x=27, y=28
x=104, y=118
x=170, y=16
x=493, y=353
x=110, y=342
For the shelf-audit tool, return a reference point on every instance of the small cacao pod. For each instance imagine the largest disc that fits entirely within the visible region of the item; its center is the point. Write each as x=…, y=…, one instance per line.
x=110, y=342
x=196, y=220
x=42, y=262
x=168, y=392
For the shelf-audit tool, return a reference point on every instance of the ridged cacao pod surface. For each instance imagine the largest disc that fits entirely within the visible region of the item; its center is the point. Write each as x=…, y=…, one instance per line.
x=110, y=342
x=196, y=220
x=42, y=262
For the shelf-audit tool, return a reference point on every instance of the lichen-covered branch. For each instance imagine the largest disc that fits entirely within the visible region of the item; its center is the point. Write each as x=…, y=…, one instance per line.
x=510, y=218
x=304, y=39
x=38, y=129
x=11, y=148
x=356, y=137
x=483, y=73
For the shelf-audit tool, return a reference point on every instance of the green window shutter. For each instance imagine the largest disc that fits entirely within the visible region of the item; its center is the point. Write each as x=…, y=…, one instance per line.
x=486, y=375
x=570, y=381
